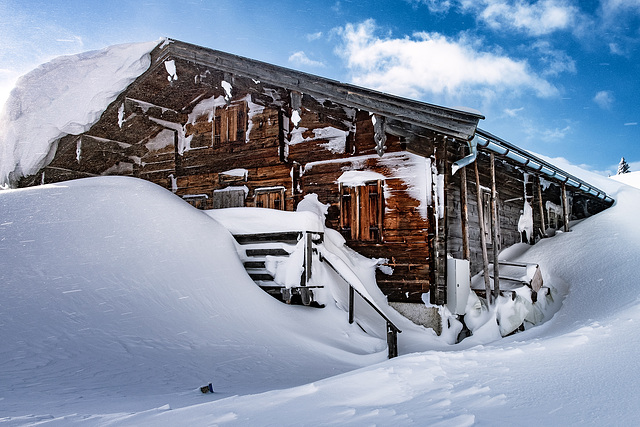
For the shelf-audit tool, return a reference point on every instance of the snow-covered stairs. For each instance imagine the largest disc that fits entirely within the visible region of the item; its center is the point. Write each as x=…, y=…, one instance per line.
x=257, y=247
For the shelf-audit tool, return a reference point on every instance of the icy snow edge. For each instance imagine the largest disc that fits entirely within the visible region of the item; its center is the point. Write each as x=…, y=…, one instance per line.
x=65, y=96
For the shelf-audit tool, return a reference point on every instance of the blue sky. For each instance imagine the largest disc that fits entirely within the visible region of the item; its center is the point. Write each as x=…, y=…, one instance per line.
x=557, y=77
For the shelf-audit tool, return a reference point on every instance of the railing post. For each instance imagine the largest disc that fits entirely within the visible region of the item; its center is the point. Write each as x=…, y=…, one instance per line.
x=392, y=340
x=351, y=301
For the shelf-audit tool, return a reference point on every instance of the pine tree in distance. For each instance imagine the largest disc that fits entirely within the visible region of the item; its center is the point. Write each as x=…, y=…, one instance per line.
x=623, y=167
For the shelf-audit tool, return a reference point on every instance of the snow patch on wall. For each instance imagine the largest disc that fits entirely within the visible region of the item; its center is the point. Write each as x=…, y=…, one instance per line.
x=184, y=142
x=358, y=178
x=206, y=107
x=64, y=96
x=239, y=172
x=227, y=89
x=121, y=115
x=525, y=223
x=336, y=138
x=415, y=172
x=160, y=141
x=170, y=66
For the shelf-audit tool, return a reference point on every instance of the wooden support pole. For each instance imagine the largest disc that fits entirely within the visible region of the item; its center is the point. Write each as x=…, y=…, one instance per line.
x=483, y=236
x=565, y=207
x=308, y=257
x=351, y=301
x=464, y=212
x=392, y=340
x=541, y=207
x=439, y=288
x=495, y=228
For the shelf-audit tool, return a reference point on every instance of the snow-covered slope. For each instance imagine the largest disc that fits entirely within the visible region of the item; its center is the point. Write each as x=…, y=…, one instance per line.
x=117, y=296
x=579, y=368
x=119, y=300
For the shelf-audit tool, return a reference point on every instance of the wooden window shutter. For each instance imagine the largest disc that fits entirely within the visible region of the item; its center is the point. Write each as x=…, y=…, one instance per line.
x=361, y=211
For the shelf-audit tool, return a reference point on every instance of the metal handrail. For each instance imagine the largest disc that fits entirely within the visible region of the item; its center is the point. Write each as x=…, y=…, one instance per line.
x=392, y=329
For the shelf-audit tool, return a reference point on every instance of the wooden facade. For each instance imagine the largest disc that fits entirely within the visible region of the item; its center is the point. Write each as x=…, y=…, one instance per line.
x=230, y=131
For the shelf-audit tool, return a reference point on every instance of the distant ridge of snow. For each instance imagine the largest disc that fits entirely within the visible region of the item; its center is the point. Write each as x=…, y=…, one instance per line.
x=64, y=96
x=630, y=178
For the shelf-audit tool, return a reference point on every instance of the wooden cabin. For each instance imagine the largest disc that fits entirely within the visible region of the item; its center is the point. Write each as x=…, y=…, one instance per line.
x=226, y=131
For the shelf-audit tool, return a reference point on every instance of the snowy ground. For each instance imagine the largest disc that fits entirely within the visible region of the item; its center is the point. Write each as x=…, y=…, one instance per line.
x=119, y=300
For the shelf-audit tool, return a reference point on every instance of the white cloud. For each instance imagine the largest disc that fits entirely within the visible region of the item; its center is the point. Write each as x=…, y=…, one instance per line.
x=611, y=8
x=554, y=61
x=301, y=58
x=434, y=6
x=314, y=36
x=554, y=134
x=631, y=124
x=513, y=111
x=430, y=63
x=538, y=18
x=604, y=99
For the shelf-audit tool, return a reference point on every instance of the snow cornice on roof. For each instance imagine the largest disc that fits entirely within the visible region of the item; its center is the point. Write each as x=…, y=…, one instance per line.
x=448, y=121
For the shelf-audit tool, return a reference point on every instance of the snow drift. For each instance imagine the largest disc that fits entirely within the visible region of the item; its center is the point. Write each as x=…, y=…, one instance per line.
x=114, y=287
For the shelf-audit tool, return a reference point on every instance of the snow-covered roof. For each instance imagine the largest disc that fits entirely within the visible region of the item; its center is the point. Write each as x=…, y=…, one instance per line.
x=65, y=96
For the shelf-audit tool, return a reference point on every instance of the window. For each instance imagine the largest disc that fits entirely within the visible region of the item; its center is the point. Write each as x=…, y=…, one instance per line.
x=198, y=201
x=272, y=198
x=230, y=124
x=361, y=211
x=486, y=216
x=230, y=197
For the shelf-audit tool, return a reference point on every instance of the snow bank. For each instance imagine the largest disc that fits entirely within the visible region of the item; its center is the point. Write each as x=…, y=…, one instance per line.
x=576, y=369
x=65, y=96
x=118, y=296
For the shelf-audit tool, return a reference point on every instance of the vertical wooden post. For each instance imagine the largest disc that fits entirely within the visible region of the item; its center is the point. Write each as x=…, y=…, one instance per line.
x=541, y=207
x=351, y=308
x=439, y=290
x=565, y=207
x=308, y=258
x=392, y=340
x=495, y=228
x=483, y=236
x=464, y=212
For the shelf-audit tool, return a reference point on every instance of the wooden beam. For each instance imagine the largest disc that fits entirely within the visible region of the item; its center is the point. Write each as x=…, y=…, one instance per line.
x=495, y=228
x=456, y=123
x=543, y=223
x=565, y=207
x=439, y=288
x=483, y=236
x=464, y=215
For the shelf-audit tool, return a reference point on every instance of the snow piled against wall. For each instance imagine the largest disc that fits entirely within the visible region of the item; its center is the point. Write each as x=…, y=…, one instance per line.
x=65, y=96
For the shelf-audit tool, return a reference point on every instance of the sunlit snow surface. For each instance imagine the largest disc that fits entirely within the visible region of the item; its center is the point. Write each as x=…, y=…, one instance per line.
x=64, y=96
x=119, y=300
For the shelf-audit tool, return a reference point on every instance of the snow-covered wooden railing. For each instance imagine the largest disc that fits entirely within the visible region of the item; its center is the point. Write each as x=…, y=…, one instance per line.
x=288, y=238
x=392, y=329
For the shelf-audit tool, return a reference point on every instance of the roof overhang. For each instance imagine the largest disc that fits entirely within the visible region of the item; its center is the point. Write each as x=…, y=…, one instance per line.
x=535, y=164
x=448, y=121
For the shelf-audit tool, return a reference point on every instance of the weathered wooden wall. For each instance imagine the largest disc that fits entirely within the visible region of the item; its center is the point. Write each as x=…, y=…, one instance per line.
x=187, y=135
